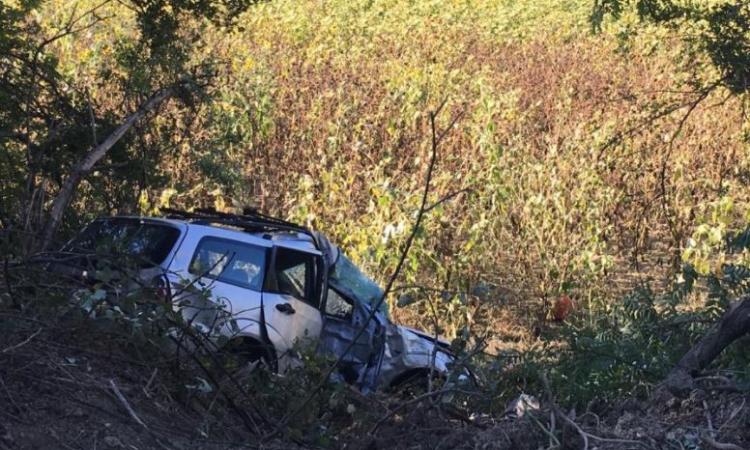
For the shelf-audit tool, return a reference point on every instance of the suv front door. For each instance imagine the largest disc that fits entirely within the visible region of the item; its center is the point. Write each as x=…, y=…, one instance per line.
x=356, y=342
x=291, y=296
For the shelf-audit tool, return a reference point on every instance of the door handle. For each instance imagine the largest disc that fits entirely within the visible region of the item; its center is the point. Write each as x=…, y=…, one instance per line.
x=286, y=308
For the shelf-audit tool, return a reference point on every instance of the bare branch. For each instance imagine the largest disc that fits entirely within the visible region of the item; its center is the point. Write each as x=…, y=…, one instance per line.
x=648, y=121
x=584, y=434
x=22, y=343
x=407, y=246
x=414, y=401
x=711, y=442
x=449, y=197
x=84, y=166
x=125, y=403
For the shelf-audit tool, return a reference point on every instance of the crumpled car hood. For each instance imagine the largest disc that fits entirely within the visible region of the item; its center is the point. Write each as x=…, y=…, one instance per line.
x=431, y=338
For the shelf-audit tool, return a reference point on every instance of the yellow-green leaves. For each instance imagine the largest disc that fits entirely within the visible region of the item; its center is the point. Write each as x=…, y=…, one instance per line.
x=708, y=250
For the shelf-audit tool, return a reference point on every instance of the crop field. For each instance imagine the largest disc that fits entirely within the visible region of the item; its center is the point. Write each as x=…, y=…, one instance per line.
x=576, y=165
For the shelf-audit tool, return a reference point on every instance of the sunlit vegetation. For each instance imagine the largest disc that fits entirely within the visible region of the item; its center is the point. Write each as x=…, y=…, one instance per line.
x=569, y=176
x=582, y=165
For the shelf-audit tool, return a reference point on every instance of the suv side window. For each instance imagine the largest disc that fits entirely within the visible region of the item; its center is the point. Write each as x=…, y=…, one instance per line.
x=338, y=306
x=294, y=274
x=229, y=261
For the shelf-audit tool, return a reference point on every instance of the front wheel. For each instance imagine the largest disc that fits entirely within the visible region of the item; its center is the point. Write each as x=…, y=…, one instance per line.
x=416, y=383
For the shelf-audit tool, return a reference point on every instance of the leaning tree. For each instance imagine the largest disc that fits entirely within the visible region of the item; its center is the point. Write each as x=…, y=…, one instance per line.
x=54, y=133
x=719, y=35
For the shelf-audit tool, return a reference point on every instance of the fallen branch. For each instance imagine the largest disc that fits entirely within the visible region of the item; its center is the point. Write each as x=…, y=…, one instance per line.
x=147, y=387
x=22, y=343
x=581, y=432
x=125, y=403
x=549, y=432
x=419, y=399
x=733, y=415
x=711, y=442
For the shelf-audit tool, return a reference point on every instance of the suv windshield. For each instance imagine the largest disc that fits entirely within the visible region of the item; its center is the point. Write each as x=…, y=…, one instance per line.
x=147, y=242
x=347, y=278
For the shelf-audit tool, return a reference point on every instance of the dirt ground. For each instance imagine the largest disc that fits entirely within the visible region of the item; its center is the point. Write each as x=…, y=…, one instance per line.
x=53, y=396
x=74, y=389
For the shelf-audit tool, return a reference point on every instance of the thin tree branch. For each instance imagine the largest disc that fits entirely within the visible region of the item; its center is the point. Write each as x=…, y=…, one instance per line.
x=22, y=343
x=84, y=166
x=125, y=404
x=449, y=197
x=419, y=399
x=648, y=121
x=435, y=140
x=584, y=434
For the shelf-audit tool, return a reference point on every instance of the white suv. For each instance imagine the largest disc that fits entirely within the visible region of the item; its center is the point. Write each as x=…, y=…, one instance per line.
x=263, y=284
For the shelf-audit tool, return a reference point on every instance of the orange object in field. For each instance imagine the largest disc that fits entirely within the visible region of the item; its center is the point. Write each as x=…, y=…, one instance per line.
x=563, y=306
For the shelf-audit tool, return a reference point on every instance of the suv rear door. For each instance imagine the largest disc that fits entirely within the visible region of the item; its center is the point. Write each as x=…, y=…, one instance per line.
x=232, y=273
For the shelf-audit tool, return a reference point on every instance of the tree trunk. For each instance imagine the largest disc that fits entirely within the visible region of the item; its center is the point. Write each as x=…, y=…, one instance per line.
x=84, y=166
x=732, y=326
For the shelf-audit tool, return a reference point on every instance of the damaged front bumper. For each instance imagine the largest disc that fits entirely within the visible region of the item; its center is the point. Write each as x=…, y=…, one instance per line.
x=384, y=354
x=408, y=352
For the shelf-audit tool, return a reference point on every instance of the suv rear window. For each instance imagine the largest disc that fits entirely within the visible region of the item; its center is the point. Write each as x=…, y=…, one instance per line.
x=229, y=261
x=148, y=243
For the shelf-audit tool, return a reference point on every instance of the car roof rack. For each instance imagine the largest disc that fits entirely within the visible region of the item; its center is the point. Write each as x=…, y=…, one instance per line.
x=251, y=220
